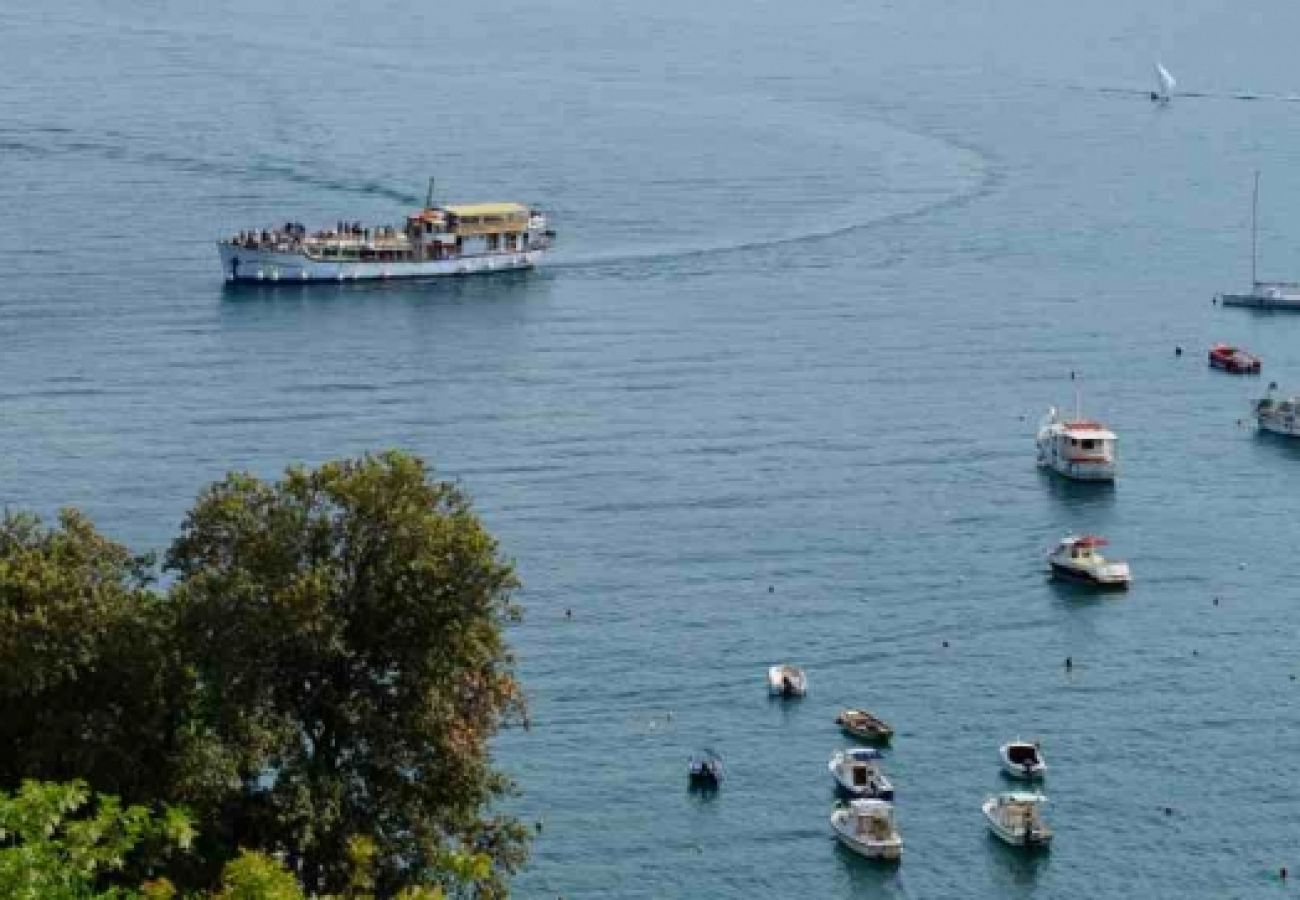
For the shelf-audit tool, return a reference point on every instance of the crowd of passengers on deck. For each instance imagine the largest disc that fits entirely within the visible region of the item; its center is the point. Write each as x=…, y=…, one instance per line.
x=293, y=235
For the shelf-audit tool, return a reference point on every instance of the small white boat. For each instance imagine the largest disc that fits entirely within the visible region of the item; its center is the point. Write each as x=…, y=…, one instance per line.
x=786, y=681
x=1021, y=759
x=1077, y=448
x=867, y=828
x=858, y=775
x=1278, y=414
x=1076, y=559
x=1016, y=819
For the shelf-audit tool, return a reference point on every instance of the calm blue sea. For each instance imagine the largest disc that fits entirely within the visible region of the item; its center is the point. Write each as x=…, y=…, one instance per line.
x=822, y=267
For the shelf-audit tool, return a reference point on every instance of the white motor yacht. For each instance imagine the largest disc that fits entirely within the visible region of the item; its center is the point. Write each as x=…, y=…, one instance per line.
x=858, y=775
x=1021, y=759
x=1077, y=448
x=1016, y=819
x=1278, y=414
x=1076, y=559
x=867, y=828
x=786, y=681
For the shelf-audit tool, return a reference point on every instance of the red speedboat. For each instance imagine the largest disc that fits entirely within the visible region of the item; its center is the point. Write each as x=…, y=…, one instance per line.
x=1234, y=359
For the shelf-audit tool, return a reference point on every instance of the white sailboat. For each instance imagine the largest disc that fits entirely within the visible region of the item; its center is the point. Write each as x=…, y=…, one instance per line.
x=1165, y=84
x=1263, y=294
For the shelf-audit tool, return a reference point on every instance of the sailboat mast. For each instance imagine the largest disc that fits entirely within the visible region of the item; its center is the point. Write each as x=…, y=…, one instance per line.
x=428, y=198
x=1254, y=232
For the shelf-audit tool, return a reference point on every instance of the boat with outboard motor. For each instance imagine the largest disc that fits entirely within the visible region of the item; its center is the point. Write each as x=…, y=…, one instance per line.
x=705, y=770
x=1076, y=559
x=1016, y=818
x=867, y=828
x=437, y=240
x=1021, y=759
x=856, y=772
x=785, y=680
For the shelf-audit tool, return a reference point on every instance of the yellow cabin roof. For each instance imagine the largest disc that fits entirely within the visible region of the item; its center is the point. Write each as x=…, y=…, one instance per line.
x=488, y=209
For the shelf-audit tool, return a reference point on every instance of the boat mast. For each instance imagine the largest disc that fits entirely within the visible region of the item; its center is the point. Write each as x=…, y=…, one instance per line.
x=1254, y=232
x=428, y=198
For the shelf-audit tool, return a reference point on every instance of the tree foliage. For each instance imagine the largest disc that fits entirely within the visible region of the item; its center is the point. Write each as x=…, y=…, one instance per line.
x=61, y=842
x=319, y=683
x=88, y=680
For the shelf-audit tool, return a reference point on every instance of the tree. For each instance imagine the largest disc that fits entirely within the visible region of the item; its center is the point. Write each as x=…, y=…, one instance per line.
x=89, y=680
x=60, y=842
x=345, y=625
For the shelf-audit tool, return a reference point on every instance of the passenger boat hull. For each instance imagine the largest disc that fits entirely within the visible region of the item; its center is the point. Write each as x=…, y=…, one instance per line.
x=255, y=266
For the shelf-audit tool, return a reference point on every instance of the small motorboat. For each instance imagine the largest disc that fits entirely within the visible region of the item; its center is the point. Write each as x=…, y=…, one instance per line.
x=1076, y=559
x=705, y=771
x=1278, y=414
x=863, y=725
x=1016, y=819
x=857, y=774
x=1021, y=759
x=1234, y=359
x=786, y=681
x=867, y=828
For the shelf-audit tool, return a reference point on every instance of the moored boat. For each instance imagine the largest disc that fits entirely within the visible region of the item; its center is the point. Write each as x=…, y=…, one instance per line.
x=1234, y=360
x=1021, y=759
x=1280, y=295
x=456, y=239
x=705, y=770
x=1016, y=819
x=863, y=725
x=867, y=828
x=786, y=680
x=858, y=775
x=1076, y=558
x=1277, y=413
x=1077, y=448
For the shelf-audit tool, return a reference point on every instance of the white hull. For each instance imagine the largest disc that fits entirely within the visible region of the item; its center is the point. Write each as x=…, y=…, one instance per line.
x=1015, y=834
x=1048, y=458
x=888, y=849
x=1284, y=427
x=786, y=681
x=240, y=264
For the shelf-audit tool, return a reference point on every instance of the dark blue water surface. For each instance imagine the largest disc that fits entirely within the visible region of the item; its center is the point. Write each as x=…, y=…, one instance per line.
x=823, y=266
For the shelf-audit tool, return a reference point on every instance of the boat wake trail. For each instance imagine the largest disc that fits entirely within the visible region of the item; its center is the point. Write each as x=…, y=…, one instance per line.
x=56, y=143
x=1194, y=95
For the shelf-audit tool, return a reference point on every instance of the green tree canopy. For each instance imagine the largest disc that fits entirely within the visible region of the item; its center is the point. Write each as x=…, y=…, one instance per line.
x=89, y=680
x=345, y=625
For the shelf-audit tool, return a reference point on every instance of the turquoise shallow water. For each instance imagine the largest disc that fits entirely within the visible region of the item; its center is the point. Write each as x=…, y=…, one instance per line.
x=822, y=268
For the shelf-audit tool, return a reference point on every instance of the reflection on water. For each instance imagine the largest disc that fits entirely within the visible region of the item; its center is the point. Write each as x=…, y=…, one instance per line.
x=1080, y=494
x=1016, y=867
x=870, y=877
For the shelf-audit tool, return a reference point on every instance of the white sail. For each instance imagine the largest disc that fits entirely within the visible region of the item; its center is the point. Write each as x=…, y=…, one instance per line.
x=1167, y=81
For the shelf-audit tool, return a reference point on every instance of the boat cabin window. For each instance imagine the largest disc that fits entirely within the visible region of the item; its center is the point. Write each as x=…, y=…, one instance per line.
x=1088, y=444
x=859, y=776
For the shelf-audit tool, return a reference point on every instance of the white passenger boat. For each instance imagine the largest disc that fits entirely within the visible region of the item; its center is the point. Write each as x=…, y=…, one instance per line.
x=786, y=681
x=867, y=828
x=1021, y=759
x=1277, y=413
x=459, y=239
x=1076, y=448
x=1076, y=559
x=857, y=773
x=1016, y=819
